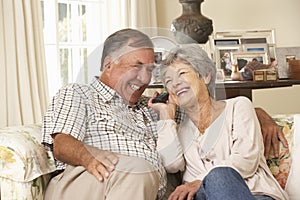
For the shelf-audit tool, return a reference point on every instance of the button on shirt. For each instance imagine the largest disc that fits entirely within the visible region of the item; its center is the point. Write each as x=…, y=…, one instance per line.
x=97, y=116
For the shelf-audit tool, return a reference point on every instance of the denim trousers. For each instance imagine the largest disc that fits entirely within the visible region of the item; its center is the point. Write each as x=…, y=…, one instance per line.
x=225, y=183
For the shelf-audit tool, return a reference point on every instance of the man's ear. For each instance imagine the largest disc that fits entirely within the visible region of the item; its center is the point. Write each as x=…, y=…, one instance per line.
x=106, y=63
x=207, y=78
x=105, y=74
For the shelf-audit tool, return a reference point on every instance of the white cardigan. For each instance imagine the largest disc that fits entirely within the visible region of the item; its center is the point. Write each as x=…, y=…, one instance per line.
x=234, y=139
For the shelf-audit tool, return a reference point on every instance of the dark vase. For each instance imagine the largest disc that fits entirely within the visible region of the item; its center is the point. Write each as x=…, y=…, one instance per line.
x=191, y=26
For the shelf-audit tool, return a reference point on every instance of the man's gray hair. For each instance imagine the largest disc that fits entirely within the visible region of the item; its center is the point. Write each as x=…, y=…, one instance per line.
x=197, y=58
x=122, y=41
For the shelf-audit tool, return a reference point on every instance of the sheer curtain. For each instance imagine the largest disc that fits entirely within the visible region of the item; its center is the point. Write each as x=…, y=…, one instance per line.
x=23, y=80
x=119, y=14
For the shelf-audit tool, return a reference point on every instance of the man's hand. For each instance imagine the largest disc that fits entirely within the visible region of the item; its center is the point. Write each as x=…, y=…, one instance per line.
x=102, y=163
x=186, y=191
x=73, y=152
x=271, y=132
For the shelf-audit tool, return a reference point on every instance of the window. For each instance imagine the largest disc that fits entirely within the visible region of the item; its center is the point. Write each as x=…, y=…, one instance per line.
x=74, y=31
x=71, y=34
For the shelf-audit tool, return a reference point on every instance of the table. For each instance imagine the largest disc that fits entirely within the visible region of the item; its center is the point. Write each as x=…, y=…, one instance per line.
x=229, y=89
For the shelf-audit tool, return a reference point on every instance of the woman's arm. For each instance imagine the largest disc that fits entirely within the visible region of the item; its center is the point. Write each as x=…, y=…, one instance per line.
x=169, y=147
x=168, y=144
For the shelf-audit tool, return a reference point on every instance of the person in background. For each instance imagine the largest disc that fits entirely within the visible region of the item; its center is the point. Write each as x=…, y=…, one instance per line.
x=219, y=145
x=103, y=135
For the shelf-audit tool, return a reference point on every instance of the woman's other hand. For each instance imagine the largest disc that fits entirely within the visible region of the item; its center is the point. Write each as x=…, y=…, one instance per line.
x=186, y=191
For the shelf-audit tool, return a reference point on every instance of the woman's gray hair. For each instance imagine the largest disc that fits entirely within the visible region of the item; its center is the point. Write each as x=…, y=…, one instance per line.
x=194, y=56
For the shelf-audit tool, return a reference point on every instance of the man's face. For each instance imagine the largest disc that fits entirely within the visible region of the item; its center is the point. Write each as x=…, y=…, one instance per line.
x=131, y=74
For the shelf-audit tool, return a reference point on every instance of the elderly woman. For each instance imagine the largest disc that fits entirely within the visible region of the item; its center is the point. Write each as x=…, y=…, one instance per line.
x=219, y=145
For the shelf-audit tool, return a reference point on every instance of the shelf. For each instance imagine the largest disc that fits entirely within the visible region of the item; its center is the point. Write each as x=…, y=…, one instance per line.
x=229, y=89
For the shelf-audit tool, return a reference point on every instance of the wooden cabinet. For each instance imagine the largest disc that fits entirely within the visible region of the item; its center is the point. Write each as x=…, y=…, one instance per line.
x=229, y=89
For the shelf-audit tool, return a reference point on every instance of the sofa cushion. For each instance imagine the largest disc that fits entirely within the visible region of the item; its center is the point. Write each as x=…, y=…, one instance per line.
x=293, y=181
x=286, y=168
x=22, y=157
x=280, y=167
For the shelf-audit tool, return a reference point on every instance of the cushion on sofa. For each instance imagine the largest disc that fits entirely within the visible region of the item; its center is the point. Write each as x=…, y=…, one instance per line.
x=280, y=167
x=22, y=157
x=31, y=190
x=286, y=168
x=293, y=181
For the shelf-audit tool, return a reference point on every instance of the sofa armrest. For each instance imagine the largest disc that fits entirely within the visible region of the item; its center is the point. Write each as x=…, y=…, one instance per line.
x=22, y=157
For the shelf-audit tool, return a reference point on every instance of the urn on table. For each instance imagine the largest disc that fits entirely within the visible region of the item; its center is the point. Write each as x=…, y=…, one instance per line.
x=191, y=26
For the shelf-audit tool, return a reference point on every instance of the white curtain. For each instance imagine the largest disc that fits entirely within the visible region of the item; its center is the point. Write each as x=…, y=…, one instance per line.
x=138, y=14
x=23, y=80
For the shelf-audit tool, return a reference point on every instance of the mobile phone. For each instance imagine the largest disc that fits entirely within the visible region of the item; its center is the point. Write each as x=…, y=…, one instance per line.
x=161, y=98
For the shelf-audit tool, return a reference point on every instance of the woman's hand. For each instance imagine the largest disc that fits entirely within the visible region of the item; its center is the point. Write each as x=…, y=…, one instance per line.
x=165, y=110
x=186, y=191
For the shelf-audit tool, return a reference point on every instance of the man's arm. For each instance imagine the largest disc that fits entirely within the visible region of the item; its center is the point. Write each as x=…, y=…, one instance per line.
x=72, y=151
x=271, y=132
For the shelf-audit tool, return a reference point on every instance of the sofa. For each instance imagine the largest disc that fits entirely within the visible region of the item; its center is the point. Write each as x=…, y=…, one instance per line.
x=25, y=166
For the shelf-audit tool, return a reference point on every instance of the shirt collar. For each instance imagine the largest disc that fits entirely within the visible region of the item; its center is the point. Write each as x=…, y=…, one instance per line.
x=108, y=94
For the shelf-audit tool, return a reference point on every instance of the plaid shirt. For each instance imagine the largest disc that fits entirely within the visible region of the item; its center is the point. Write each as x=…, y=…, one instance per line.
x=97, y=116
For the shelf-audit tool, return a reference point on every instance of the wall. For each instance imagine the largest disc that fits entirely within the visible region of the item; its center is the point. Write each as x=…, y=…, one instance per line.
x=239, y=15
x=248, y=15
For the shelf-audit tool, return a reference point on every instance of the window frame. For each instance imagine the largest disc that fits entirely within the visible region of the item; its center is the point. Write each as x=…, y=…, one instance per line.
x=79, y=67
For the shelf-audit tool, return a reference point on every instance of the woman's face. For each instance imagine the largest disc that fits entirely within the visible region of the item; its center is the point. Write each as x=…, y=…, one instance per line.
x=184, y=84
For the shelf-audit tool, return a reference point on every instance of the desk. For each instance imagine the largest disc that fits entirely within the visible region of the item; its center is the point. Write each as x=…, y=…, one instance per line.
x=229, y=89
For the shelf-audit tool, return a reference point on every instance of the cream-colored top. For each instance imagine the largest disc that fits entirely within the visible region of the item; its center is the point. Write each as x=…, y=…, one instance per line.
x=234, y=139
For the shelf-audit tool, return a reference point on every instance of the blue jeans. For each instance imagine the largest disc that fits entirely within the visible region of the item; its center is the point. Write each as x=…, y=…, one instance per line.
x=224, y=183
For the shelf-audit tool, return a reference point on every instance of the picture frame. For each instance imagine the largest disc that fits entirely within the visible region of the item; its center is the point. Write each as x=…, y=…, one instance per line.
x=158, y=56
x=268, y=34
x=220, y=76
x=255, y=48
x=223, y=57
x=221, y=42
x=283, y=54
x=162, y=46
x=252, y=40
x=242, y=58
